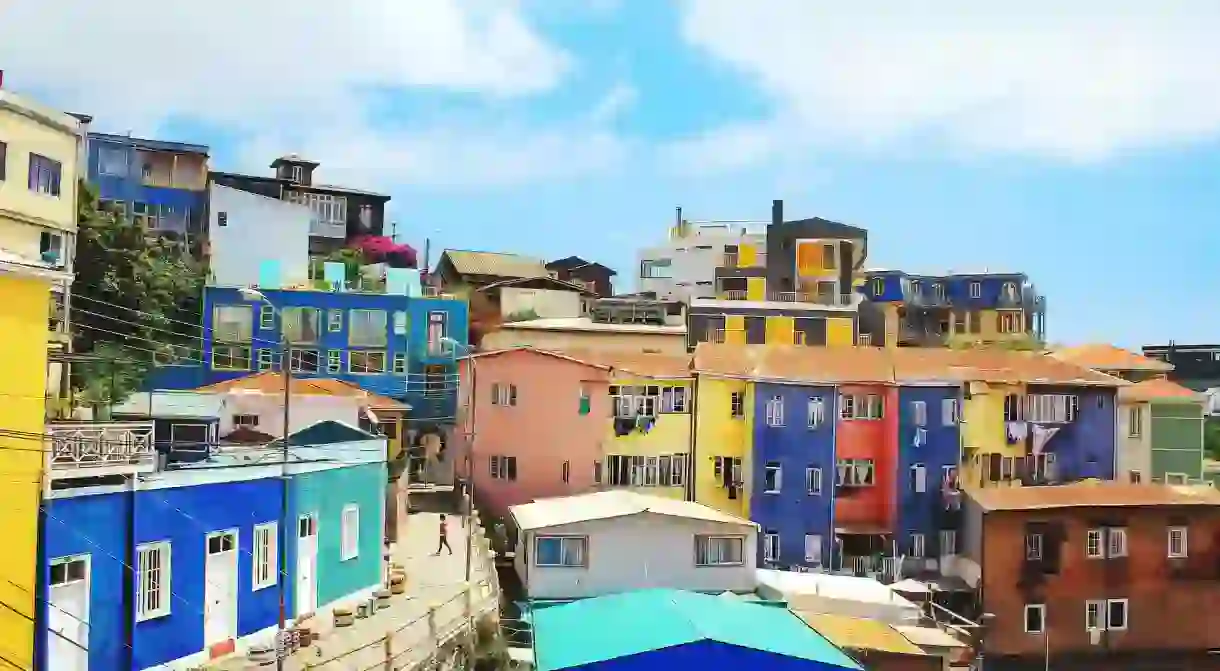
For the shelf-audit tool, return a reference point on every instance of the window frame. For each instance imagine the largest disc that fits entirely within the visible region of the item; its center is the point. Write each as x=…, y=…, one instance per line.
x=774, y=411
x=40, y=166
x=144, y=580
x=231, y=354
x=813, y=541
x=919, y=413
x=777, y=469
x=1183, y=537
x=976, y=289
x=813, y=481
x=398, y=363
x=1094, y=537
x=334, y=361
x=737, y=405
x=708, y=540
x=349, y=532
x=562, y=538
x=919, y=545
x=815, y=412
x=378, y=338
x=1126, y=608
x=1135, y=421
x=364, y=354
x=334, y=320
x=1035, y=547
x=1040, y=609
x=771, y=545
x=264, y=556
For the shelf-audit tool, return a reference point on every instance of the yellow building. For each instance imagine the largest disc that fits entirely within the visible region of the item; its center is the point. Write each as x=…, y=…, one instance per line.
x=38, y=182
x=724, y=430
x=648, y=436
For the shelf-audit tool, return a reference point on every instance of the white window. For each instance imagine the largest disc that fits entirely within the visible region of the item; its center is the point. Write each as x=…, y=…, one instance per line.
x=232, y=323
x=1135, y=421
x=813, y=481
x=948, y=542
x=813, y=549
x=651, y=472
x=773, y=478
x=919, y=413
x=1177, y=542
x=561, y=551
x=367, y=328
x=948, y=412
x=67, y=570
x=673, y=399
x=976, y=289
x=326, y=208
x=334, y=361
x=300, y=325
x=400, y=323
x=1094, y=615
x=854, y=472
x=44, y=175
x=266, y=567
x=737, y=404
x=266, y=317
x=918, y=545
x=1117, y=546
x=770, y=546
x=861, y=406
x=503, y=467
x=266, y=359
x=1033, y=547
x=248, y=421
x=303, y=360
x=1116, y=614
x=349, y=533
x=919, y=478
x=1093, y=548
x=503, y=394
x=365, y=361
x=719, y=550
x=815, y=412
x=438, y=328
x=334, y=320
x=1010, y=322
x=400, y=363
x=298, y=173
x=1051, y=408
x=112, y=161
x=1035, y=618
x=775, y=411
x=153, y=581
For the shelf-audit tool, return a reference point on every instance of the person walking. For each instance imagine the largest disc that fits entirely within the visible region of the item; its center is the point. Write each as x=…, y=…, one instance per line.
x=443, y=538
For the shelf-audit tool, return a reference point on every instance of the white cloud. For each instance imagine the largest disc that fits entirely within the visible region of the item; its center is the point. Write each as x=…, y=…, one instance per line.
x=617, y=100
x=1079, y=81
x=297, y=75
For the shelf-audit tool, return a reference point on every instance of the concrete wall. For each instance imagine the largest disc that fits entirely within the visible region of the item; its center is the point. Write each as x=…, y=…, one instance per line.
x=257, y=230
x=546, y=303
x=1134, y=452
x=638, y=552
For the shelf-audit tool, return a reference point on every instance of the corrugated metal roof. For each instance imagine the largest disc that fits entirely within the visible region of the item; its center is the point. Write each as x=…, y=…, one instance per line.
x=1159, y=390
x=603, y=628
x=1094, y=494
x=896, y=365
x=1100, y=356
x=553, y=512
x=467, y=262
x=860, y=634
x=186, y=404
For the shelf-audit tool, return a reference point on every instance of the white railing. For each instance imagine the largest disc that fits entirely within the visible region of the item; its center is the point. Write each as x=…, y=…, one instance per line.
x=112, y=447
x=327, y=229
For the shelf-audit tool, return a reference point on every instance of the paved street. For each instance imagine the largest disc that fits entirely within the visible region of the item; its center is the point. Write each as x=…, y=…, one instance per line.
x=431, y=581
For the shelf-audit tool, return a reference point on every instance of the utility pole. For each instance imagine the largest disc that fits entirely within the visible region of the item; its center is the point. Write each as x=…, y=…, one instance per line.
x=282, y=542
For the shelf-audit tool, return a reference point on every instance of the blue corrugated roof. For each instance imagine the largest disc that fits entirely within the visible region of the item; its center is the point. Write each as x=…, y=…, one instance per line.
x=609, y=627
x=152, y=145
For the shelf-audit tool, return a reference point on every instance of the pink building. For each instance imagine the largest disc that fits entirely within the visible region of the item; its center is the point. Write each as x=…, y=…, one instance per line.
x=538, y=421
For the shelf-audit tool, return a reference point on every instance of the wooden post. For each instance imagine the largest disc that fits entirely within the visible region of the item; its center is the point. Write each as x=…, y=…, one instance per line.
x=389, y=651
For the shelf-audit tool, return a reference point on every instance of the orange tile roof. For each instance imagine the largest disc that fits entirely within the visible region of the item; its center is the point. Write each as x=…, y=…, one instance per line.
x=901, y=365
x=644, y=364
x=1093, y=494
x=270, y=382
x=1101, y=356
x=1158, y=389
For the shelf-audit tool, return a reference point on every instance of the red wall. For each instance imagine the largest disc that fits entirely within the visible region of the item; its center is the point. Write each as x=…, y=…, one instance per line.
x=876, y=440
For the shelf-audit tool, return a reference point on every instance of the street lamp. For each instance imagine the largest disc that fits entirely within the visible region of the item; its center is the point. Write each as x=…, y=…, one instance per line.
x=254, y=295
x=472, y=398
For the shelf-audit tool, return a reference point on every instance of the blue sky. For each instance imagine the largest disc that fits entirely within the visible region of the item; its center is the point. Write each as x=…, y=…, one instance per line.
x=1081, y=145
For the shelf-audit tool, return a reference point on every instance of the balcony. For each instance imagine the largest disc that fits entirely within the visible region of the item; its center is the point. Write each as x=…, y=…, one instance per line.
x=95, y=449
x=733, y=260
x=714, y=336
x=327, y=229
x=733, y=295
x=811, y=298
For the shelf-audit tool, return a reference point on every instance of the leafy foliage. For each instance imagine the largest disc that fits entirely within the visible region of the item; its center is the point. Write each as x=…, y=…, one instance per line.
x=521, y=316
x=1211, y=438
x=380, y=249
x=145, y=290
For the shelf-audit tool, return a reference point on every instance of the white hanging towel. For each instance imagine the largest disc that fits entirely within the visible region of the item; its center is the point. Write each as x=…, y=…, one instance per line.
x=1042, y=435
x=1016, y=431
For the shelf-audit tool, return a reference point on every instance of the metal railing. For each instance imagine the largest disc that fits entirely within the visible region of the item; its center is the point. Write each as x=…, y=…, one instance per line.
x=327, y=229
x=122, y=446
x=733, y=295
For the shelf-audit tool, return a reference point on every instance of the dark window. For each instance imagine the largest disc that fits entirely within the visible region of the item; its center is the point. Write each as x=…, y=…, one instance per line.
x=44, y=175
x=3, y=159
x=389, y=430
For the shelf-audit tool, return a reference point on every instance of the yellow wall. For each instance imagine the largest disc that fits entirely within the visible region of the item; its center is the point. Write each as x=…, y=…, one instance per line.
x=989, y=326
x=735, y=329
x=983, y=431
x=747, y=256
x=23, y=136
x=23, y=339
x=719, y=434
x=670, y=435
x=756, y=288
x=780, y=330
x=840, y=332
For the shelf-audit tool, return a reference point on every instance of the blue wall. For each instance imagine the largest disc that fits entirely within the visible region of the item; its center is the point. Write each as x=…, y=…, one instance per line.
x=1085, y=448
x=325, y=494
x=707, y=654
x=921, y=512
x=184, y=516
x=793, y=512
x=409, y=387
x=957, y=288
x=130, y=188
x=96, y=526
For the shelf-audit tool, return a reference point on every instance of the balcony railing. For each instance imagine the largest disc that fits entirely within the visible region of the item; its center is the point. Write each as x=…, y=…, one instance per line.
x=714, y=335
x=790, y=297
x=733, y=259
x=733, y=295
x=327, y=229
x=83, y=449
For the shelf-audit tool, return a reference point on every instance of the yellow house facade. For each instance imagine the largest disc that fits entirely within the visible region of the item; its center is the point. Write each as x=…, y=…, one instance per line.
x=38, y=182
x=983, y=432
x=657, y=442
x=724, y=436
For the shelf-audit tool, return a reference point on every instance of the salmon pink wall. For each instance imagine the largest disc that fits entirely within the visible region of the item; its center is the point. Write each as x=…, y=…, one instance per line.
x=542, y=431
x=869, y=439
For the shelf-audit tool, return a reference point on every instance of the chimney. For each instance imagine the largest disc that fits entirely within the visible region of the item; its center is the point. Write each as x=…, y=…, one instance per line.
x=777, y=212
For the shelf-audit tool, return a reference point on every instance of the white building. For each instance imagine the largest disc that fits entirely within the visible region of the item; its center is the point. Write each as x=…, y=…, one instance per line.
x=606, y=542
x=252, y=237
x=838, y=595
x=684, y=266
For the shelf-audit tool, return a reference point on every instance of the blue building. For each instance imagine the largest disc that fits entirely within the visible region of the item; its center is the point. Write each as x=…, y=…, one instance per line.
x=390, y=344
x=129, y=567
x=793, y=473
x=929, y=450
x=163, y=185
x=1084, y=442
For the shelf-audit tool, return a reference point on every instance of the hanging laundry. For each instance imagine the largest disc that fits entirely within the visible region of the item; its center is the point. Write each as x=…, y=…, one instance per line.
x=623, y=425
x=644, y=423
x=1042, y=435
x=921, y=438
x=1016, y=431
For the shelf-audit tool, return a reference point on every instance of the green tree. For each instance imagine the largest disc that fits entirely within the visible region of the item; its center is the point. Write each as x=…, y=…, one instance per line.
x=134, y=294
x=1211, y=438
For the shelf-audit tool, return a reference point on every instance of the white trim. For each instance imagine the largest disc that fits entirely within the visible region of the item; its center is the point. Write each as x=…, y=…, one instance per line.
x=272, y=555
x=164, y=584
x=349, y=539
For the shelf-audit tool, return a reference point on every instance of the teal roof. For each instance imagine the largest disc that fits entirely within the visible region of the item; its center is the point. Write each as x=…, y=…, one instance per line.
x=609, y=627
